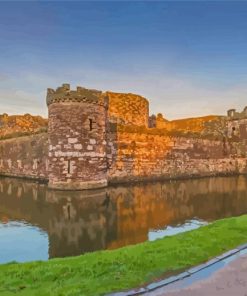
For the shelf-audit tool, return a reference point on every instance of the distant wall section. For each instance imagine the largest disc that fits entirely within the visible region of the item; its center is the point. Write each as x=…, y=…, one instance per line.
x=25, y=157
x=128, y=109
x=146, y=154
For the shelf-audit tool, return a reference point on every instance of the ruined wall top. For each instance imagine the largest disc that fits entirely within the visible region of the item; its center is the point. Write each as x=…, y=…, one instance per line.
x=81, y=94
x=233, y=114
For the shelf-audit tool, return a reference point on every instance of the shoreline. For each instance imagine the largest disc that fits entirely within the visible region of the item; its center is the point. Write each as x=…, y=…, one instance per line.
x=105, y=272
x=125, y=182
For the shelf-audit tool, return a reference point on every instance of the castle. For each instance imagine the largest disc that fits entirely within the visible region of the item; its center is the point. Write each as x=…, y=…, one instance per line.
x=96, y=138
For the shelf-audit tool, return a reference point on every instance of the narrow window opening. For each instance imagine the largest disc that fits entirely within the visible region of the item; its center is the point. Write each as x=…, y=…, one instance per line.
x=68, y=166
x=90, y=124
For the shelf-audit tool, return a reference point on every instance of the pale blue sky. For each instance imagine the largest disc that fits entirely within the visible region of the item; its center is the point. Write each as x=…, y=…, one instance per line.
x=187, y=58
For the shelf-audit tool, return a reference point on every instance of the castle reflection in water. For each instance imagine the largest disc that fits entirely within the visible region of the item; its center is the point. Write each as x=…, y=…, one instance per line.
x=78, y=222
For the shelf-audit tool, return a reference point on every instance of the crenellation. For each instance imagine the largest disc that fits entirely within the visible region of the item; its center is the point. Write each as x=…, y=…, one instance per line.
x=66, y=95
x=234, y=115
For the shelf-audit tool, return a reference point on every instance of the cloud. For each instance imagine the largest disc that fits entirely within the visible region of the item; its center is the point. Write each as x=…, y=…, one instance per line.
x=173, y=95
x=20, y=102
x=25, y=93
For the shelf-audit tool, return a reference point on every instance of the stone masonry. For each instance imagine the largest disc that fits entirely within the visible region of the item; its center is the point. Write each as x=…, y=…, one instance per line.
x=77, y=138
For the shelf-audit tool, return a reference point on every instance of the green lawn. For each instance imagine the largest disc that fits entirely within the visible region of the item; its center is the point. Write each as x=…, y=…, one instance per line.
x=102, y=272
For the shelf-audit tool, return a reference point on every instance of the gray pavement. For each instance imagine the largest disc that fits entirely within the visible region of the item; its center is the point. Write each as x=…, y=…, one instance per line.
x=227, y=279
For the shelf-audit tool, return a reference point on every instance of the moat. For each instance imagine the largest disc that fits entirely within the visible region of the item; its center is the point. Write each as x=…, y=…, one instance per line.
x=38, y=223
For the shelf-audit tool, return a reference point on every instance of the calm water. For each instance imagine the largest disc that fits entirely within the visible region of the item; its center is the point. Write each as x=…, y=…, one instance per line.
x=38, y=224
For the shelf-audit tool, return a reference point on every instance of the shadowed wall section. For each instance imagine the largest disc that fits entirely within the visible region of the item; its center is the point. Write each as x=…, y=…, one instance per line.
x=25, y=157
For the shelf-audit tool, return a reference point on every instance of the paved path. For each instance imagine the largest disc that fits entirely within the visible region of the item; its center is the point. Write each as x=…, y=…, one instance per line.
x=230, y=280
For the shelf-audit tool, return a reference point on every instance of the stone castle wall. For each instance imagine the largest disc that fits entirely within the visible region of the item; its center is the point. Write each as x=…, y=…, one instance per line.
x=132, y=155
x=25, y=157
x=237, y=129
x=198, y=124
x=76, y=153
x=146, y=154
x=233, y=114
x=128, y=109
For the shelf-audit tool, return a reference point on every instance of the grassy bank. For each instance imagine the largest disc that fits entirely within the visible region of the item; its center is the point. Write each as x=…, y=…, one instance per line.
x=106, y=271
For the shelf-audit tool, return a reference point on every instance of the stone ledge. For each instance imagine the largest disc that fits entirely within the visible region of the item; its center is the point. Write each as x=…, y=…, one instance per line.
x=78, y=185
x=41, y=179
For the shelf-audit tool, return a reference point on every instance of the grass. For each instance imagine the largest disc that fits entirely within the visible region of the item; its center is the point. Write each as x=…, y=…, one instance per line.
x=102, y=272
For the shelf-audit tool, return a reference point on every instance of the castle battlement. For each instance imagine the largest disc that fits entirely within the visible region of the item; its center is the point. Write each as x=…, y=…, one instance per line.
x=64, y=94
x=233, y=114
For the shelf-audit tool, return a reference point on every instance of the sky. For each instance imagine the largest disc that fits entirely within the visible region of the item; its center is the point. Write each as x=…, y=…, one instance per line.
x=188, y=58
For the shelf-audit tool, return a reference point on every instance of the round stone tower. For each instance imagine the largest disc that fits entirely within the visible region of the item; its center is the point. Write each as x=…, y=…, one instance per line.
x=77, y=138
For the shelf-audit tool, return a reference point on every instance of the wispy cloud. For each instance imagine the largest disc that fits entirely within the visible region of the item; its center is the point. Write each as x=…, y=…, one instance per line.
x=21, y=102
x=174, y=96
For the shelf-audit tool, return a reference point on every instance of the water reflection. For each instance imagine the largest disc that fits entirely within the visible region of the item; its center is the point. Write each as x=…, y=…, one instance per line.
x=21, y=242
x=172, y=230
x=78, y=222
